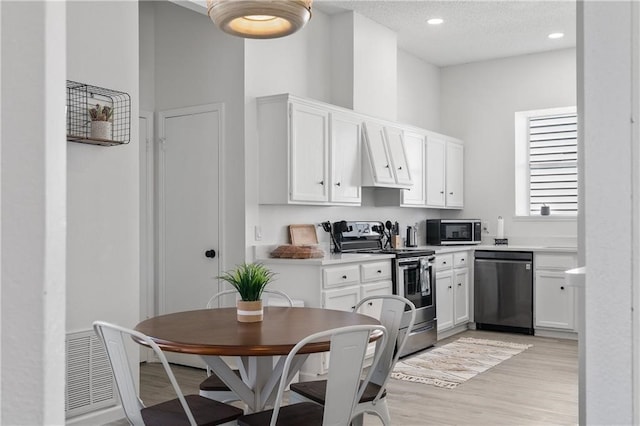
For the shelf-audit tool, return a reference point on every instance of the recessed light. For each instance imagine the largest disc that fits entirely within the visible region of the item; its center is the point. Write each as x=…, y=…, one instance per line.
x=555, y=35
x=435, y=21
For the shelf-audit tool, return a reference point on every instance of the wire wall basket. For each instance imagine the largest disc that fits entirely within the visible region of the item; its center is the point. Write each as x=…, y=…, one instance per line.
x=98, y=116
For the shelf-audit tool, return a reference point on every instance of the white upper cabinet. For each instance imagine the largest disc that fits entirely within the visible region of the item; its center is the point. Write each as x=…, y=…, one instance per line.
x=309, y=153
x=435, y=171
x=455, y=175
x=346, y=158
x=444, y=172
x=385, y=160
x=398, y=154
x=415, y=145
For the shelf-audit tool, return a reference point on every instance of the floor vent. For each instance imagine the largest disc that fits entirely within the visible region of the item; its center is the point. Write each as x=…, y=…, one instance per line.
x=90, y=381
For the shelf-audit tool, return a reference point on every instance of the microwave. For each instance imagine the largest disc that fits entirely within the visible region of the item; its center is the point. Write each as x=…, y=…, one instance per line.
x=444, y=232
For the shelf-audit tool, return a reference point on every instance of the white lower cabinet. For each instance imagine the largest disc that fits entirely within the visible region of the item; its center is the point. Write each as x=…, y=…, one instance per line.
x=554, y=301
x=452, y=290
x=338, y=287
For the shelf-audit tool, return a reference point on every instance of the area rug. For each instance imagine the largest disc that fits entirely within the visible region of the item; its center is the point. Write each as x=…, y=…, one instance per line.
x=449, y=365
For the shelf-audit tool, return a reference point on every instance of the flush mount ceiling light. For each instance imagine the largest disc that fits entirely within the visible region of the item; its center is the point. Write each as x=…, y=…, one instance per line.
x=555, y=35
x=435, y=21
x=259, y=18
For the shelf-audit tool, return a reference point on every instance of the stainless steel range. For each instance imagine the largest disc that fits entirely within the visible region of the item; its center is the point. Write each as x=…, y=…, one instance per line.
x=413, y=276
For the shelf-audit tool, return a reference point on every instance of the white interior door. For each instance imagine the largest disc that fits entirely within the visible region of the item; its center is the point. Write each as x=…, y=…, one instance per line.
x=147, y=308
x=188, y=209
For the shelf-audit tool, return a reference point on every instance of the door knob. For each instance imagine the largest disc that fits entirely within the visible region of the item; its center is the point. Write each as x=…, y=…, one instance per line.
x=210, y=254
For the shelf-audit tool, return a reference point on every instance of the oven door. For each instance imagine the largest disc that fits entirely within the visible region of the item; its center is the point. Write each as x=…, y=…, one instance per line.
x=415, y=281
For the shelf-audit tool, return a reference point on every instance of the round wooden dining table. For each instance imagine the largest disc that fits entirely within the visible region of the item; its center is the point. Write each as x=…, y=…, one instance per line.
x=212, y=333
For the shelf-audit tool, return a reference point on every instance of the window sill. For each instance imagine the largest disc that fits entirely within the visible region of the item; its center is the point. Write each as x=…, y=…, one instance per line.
x=550, y=218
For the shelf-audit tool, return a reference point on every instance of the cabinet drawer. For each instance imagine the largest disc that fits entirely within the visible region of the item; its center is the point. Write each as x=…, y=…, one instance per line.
x=376, y=271
x=461, y=260
x=559, y=261
x=333, y=277
x=444, y=261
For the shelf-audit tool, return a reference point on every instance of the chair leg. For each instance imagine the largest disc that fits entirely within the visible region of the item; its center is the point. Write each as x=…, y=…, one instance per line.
x=382, y=409
x=358, y=420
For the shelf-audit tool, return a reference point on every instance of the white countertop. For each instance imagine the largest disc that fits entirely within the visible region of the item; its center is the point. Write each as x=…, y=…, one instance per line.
x=519, y=247
x=340, y=258
x=329, y=259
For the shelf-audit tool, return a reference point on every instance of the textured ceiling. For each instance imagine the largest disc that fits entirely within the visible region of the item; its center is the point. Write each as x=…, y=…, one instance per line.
x=473, y=30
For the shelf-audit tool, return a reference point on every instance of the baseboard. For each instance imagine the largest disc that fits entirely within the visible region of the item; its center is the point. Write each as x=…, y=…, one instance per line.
x=99, y=417
x=571, y=335
x=453, y=331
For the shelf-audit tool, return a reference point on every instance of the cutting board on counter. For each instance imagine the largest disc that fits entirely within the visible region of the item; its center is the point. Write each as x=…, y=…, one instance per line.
x=302, y=235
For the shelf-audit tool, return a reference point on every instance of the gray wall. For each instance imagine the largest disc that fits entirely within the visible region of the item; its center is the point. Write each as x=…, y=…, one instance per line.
x=478, y=102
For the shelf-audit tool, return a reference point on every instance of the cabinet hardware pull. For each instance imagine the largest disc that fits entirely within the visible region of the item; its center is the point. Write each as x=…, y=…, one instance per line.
x=321, y=182
x=449, y=286
x=210, y=254
x=462, y=260
x=379, y=271
x=400, y=168
x=561, y=287
x=353, y=307
x=444, y=263
x=451, y=193
x=442, y=192
x=386, y=167
x=344, y=277
x=459, y=284
x=370, y=303
x=338, y=184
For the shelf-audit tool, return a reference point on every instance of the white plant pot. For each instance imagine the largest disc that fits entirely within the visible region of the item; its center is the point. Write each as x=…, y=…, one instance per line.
x=101, y=130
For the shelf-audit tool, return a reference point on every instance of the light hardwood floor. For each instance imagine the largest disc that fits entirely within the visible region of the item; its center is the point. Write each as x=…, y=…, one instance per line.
x=536, y=387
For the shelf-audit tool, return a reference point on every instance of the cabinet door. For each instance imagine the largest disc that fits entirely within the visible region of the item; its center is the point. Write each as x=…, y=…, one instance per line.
x=309, y=153
x=398, y=155
x=377, y=152
x=341, y=299
x=436, y=150
x=455, y=175
x=346, y=159
x=373, y=308
x=415, y=145
x=461, y=296
x=444, y=299
x=554, y=301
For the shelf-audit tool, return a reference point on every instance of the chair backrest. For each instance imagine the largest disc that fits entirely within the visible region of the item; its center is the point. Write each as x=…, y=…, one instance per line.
x=344, y=388
x=267, y=292
x=113, y=338
x=391, y=315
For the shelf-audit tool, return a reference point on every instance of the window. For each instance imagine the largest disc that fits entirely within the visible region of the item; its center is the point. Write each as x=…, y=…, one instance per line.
x=547, y=161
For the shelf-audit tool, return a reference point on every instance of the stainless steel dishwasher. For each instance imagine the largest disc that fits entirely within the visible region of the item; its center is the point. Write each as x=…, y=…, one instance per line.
x=503, y=291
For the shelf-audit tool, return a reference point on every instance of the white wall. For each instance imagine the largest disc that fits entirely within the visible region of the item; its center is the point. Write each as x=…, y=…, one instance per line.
x=33, y=165
x=272, y=67
x=194, y=63
x=608, y=51
x=478, y=105
x=103, y=200
x=418, y=92
x=375, y=70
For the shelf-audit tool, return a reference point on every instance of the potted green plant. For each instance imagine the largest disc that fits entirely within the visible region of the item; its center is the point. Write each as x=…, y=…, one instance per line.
x=101, y=118
x=249, y=279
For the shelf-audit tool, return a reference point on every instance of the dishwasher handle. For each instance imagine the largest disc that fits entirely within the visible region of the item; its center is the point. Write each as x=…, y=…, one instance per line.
x=503, y=261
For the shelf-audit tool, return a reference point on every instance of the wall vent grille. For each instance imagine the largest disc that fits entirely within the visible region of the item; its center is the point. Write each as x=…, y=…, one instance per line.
x=90, y=381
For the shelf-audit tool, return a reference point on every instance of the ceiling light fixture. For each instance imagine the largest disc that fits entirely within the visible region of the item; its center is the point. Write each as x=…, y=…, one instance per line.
x=259, y=18
x=435, y=21
x=555, y=35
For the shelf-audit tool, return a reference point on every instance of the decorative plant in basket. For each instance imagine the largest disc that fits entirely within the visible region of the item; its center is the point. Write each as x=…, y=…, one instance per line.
x=101, y=117
x=249, y=279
